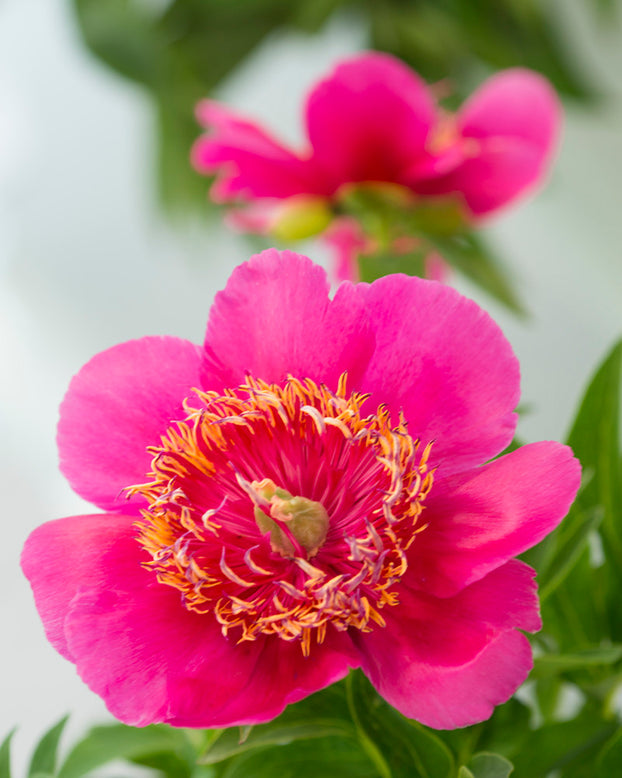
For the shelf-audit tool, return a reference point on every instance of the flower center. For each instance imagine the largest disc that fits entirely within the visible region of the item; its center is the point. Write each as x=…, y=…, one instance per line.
x=283, y=510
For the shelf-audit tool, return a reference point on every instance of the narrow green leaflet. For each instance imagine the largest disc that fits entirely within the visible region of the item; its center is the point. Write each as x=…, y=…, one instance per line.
x=469, y=254
x=400, y=748
x=5, y=756
x=609, y=760
x=569, y=544
x=565, y=744
x=106, y=743
x=44, y=758
x=304, y=759
x=553, y=664
x=595, y=440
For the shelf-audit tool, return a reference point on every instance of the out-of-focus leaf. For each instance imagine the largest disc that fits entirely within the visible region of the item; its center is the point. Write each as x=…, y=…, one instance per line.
x=443, y=40
x=568, y=743
x=106, y=743
x=553, y=664
x=609, y=760
x=125, y=36
x=469, y=254
x=373, y=266
x=595, y=439
x=320, y=715
x=44, y=758
x=399, y=748
x=303, y=759
x=570, y=544
x=486, y=765
x=5, y=756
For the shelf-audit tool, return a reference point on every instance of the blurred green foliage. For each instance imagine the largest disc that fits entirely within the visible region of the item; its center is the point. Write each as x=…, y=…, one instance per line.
x=180, y=50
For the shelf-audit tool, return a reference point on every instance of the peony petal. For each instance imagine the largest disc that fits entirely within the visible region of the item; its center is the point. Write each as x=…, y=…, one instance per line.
x=117, y=405
x=515, y=103
x=275, y=318
x=247, y=161
x=346, y=239
x=167, y=664
x=478, y=520
x=509, y=129
x=444, y=362
x=63, y=556
x=441, y=631
x=498, y=171
x=446, y=697
x=369, y=120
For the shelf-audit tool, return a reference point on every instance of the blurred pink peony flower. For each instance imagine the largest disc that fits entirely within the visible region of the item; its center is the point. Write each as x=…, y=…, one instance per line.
x=374, y=119
x=302, y=494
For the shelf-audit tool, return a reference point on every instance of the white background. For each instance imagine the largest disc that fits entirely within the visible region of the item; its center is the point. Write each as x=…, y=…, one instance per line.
x=87, y=260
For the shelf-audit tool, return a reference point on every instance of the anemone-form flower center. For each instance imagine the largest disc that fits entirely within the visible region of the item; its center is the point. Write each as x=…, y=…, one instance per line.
x=284, y=509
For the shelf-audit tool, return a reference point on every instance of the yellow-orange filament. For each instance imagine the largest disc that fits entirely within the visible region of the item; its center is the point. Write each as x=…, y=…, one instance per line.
x=222, y=560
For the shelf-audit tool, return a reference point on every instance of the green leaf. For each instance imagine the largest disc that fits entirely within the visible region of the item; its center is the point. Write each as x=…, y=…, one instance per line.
x=486, y=765
x=464, y=772
x=554, y=664
x=373, y=266
x=609, y=760
x=106, y=743
x=469, y=254
x=44, y=758
x=5, y=756
x=595, y=440
x=399, y=747
x=304, y=759
x=570, y=543
x=567, y=743
x=318, y=716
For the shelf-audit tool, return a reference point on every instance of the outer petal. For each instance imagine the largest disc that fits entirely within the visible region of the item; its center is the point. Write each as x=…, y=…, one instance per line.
x=515, y=103
x=165, y=663
x=275, y=318
x=248, y=162
x=480, y=519
x=448, y=697
x=117, y=405
x=369, y=120
x=444, y=362
x=509, y=129
x=61, y=557
x=496, y=172
x=435, y=661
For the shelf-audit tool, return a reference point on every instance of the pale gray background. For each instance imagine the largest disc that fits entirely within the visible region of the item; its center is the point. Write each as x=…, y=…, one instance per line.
x=86, y=261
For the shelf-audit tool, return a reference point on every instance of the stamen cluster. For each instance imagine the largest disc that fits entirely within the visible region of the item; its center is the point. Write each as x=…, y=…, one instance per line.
x=314, y=446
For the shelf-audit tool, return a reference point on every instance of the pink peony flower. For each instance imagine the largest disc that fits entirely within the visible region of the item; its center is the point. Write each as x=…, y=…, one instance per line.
x=303, y=494
x=373, y=119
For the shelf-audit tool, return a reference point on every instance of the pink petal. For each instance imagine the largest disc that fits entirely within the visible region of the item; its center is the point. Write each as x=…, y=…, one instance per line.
x=369, y=120
x=515, y=103
x=167, y=664
x=479, y=519
x=447, y=662
x=444, y=362
x=275, y=318
x=247, y=161
x=447, y=697
x=499, y=170
x=509, y=128
x=346, y=239
x=117, y=405
x=61, y=557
